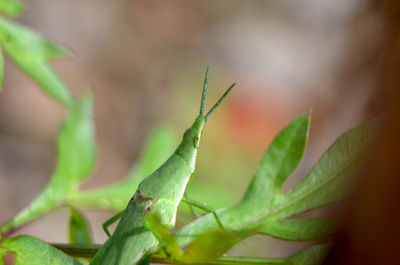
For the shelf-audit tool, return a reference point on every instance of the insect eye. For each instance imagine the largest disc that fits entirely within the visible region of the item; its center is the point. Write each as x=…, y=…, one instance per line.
x=134, y=197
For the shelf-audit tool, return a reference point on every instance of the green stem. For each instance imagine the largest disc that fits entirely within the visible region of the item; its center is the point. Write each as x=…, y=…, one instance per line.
x=88, y=251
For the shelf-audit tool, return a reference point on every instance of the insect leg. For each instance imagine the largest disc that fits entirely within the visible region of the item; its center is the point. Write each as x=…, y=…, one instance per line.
x=205, y=208
x=110, y=221
x=148, y=226
x=190, y=206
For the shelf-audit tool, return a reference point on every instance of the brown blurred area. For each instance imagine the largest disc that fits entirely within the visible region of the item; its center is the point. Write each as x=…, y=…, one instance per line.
x=370, y=232
x=145, y=61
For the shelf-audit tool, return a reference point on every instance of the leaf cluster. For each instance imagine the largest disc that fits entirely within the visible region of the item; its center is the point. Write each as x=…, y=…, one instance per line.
x=264, y=208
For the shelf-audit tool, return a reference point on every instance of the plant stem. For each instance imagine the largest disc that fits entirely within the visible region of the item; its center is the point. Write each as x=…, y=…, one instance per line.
x=88, y=251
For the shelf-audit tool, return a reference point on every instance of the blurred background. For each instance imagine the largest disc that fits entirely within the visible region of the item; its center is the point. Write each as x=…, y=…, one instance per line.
x=145, y=62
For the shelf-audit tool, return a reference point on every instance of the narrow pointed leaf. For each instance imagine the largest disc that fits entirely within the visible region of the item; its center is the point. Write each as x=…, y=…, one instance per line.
x=78, y=250
x=280, y=160
x=331, y=177
x=76, y=159
x=31, y=52
x=77, y=144
x=298, y=229
x=79, y=229
x=11, y=7
x=32, y=251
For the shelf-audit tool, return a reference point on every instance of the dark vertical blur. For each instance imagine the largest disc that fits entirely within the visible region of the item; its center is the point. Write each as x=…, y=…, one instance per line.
x=371, y=230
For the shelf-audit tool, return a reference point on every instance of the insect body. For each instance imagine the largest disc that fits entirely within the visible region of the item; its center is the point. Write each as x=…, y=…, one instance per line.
x=161, y=192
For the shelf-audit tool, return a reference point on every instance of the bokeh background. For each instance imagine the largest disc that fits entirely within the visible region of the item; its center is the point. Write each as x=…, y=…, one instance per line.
x=145, y=62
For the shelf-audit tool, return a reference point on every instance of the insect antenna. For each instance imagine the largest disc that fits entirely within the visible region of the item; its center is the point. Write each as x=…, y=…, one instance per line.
x=219, y=101
x=203, y=97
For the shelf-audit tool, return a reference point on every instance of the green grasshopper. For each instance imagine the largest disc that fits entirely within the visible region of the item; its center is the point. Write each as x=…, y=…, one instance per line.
x=161, y=192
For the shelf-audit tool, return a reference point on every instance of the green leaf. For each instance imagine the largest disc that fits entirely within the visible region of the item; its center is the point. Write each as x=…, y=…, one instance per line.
x=208, y=246
x=310, y=256
x=298, y=229
x=11, y=7
x=77, y=147
x=31, y=52
x=331, y=177
x=146, y=260
x=79, y=230
x=76, y=159
x=280, y=159
x=264, y=207
x=78, y=250
x=32, y=251
x=167, y=240
x=157, y=148
x=205, y=247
